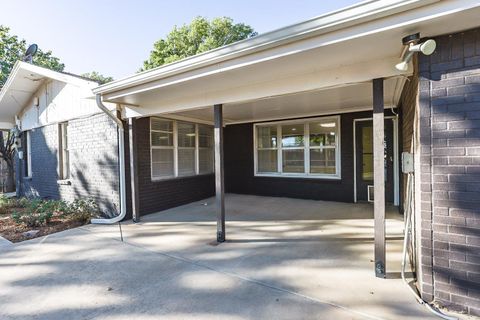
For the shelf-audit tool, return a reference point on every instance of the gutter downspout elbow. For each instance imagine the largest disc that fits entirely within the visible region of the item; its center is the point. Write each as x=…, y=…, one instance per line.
x=121, y=159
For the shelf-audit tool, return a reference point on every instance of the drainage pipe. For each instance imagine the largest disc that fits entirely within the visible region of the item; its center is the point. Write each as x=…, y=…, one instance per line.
x=408, y=221
x=121, y=160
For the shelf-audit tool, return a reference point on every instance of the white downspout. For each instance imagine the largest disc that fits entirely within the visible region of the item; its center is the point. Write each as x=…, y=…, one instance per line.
x=121, y=159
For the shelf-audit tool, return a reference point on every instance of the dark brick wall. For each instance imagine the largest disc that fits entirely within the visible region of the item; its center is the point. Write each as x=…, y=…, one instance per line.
x=93, y=148
x=160, y=195
x=239, y=168
x=408, y=106
x=450, y=171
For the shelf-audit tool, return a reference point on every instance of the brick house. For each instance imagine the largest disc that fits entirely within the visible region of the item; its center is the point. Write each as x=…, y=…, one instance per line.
x=319, y=110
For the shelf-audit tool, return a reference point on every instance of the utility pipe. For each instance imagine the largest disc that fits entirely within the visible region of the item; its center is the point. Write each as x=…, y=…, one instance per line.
x=408, y=221
x=121, y=159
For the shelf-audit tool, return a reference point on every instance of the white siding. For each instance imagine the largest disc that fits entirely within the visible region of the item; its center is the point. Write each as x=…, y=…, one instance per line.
x=59, y=101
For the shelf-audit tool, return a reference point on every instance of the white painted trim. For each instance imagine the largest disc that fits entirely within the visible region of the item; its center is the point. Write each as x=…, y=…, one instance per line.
x=306, y=148
x=396, y=173
x=185, y=119
x=308, y=115
x=197, y=151
x=29, y=154
x=396, y=185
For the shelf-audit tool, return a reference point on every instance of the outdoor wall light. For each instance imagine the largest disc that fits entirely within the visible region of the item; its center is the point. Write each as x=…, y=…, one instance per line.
x=412, y=45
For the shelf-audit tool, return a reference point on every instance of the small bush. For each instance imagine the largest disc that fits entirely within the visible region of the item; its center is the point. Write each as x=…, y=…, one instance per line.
x=38, y=212
x=83, y=209
x=32, y=219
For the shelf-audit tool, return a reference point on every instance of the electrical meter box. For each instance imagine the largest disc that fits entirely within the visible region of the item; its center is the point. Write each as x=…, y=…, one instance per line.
x=407, y=162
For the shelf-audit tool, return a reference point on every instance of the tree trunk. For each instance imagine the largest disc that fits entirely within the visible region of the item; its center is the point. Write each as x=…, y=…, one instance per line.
x=10, y=179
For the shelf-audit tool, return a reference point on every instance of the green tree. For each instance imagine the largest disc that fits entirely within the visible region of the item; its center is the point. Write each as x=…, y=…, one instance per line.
x=12, y=49
x=199, y=36
x=100, y=78
x=7, y=152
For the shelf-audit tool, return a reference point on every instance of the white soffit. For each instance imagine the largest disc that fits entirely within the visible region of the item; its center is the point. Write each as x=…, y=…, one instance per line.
x=349, y=98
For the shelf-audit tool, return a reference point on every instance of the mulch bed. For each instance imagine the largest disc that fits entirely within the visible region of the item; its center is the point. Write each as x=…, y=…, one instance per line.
x=15, y=232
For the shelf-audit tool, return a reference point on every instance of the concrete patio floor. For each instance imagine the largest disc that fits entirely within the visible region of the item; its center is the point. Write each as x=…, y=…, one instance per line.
x=284, y=259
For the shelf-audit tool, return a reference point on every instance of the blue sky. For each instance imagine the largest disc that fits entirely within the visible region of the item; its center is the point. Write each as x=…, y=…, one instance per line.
x=114, y=37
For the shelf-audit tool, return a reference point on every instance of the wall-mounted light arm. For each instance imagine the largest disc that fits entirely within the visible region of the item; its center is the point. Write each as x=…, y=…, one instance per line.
x=411, y=46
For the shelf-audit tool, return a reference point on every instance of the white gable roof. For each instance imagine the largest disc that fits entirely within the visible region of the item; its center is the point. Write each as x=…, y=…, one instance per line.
x=23, y=82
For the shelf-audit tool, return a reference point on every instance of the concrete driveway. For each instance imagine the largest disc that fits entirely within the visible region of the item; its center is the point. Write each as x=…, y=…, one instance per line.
x=285, y=259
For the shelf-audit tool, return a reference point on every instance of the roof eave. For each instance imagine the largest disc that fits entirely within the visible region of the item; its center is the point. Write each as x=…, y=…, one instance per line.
x=337, y=20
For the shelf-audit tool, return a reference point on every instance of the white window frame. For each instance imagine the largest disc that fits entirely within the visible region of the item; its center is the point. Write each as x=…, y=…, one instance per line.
x=63, y=151
x=306, y=148
x=175, y=149
x=29, y=154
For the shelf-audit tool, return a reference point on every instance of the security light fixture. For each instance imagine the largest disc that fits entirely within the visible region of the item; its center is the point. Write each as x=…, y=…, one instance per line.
x=411, y=45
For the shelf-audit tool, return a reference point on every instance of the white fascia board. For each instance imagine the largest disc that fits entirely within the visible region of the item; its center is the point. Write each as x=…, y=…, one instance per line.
x=6, y=125
x=62, y=77
x=10, y=80
x=360, y=13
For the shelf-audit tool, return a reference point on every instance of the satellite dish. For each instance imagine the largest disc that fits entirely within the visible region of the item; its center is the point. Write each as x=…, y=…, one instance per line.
x=32, y=49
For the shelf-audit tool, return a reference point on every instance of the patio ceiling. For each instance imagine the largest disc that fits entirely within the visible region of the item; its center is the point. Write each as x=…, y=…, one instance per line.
x=349, y=98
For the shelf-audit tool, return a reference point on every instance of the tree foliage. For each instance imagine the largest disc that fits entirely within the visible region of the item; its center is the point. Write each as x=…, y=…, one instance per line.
x=12, y=49
x=7, y=151
x=199, y=36
x=100, y=78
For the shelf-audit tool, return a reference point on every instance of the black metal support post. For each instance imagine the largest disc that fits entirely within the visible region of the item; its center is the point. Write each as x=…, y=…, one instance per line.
x=219, y=174
x=379, y=177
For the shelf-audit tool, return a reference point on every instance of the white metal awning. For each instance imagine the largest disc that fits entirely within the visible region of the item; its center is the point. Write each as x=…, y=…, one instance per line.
x=334, y=55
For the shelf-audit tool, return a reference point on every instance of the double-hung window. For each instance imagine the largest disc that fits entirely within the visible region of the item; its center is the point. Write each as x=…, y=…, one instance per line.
x=180, y=148
x=299, y=148
x=64, y=152
x=27, y=154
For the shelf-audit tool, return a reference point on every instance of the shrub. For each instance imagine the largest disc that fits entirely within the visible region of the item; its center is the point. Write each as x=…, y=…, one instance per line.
x=83, y=209
x=32, y=219
x=6, y=204
x=37, y=212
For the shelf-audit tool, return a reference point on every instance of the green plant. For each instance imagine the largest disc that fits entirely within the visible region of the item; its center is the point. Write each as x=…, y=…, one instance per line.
x=83, y=209
x=36, y=212
x=31, y=219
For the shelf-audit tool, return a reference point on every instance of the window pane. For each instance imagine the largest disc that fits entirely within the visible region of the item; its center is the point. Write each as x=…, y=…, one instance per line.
x=292, y=135
x=267, y=137
x=322, y=161
x=267, y=161
x=162, y=163
x=323, y=133
x=162, y=139
x=186, y=162
x=186, y=134
x=205, y=160
x=205, y=136
x=293, y=161
x=162, y=125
